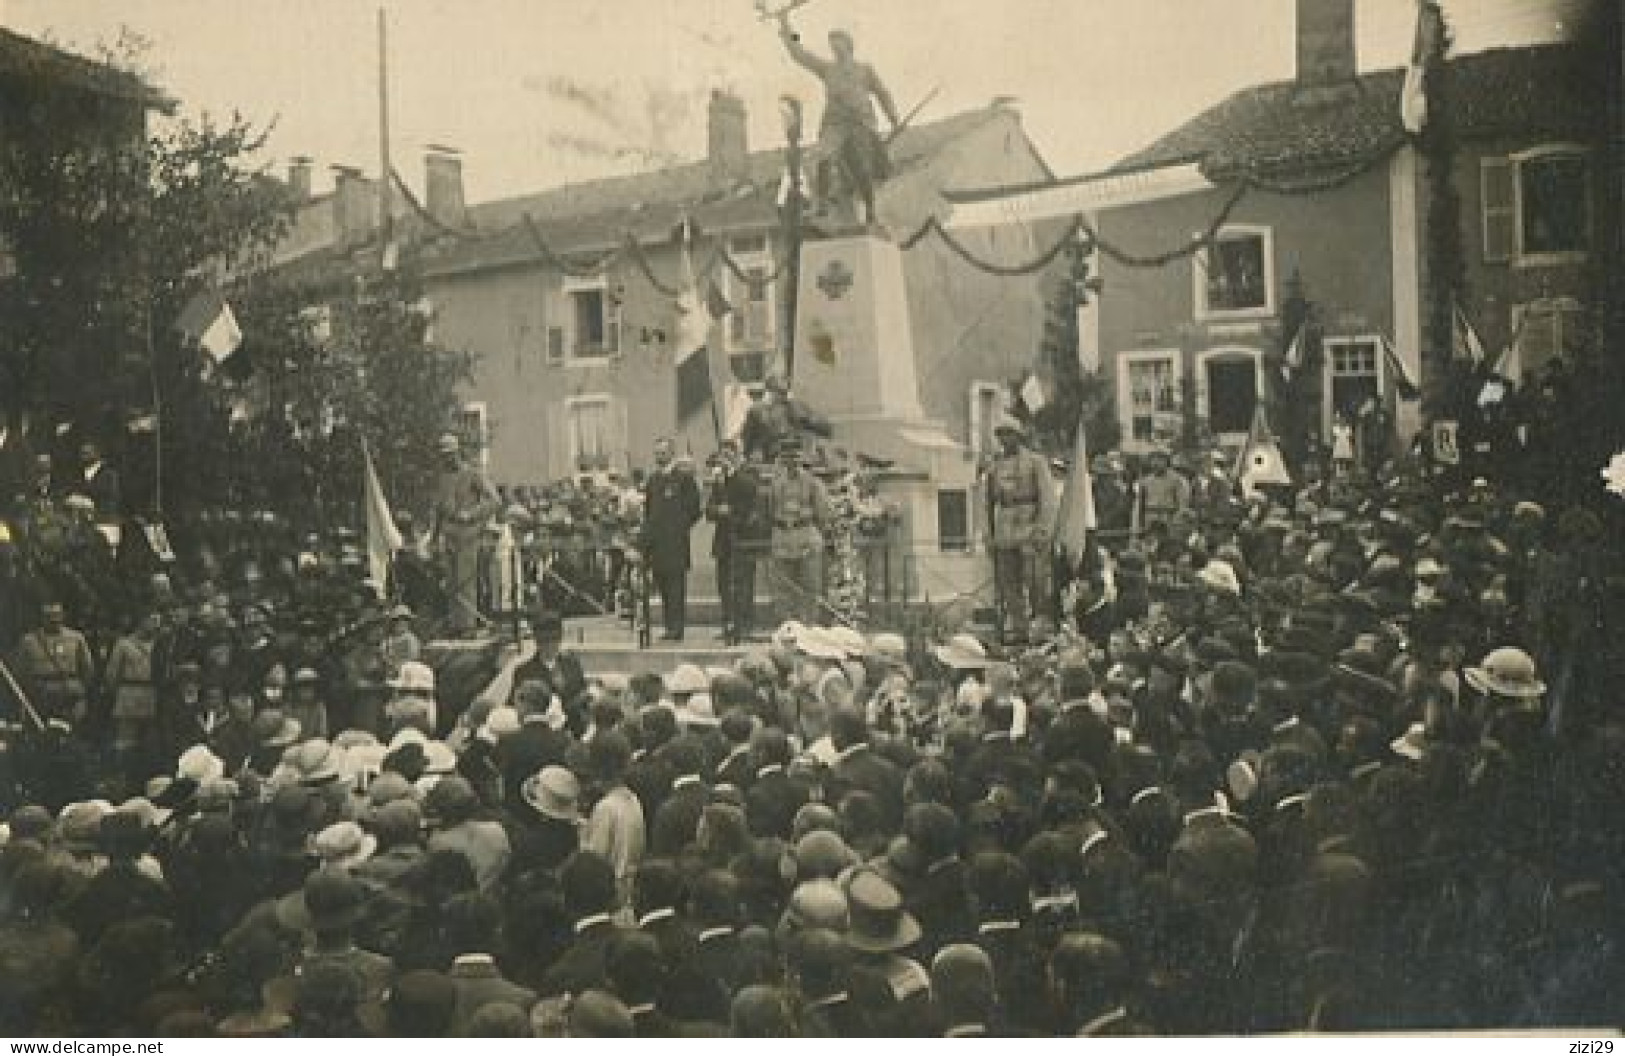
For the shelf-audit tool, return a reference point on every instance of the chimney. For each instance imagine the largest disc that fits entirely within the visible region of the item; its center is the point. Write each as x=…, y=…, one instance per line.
x=1326, y=62
x=355, y=202
x=443, y=183
x=299, y=178
x=727, y=145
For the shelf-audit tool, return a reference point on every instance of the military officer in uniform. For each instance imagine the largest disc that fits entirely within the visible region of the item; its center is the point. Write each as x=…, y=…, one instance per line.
x=798, y=507
x=463, y=502
x=1022, y=507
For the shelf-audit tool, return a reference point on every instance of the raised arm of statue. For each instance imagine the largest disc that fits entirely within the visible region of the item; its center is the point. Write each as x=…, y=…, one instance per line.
x=802, y=57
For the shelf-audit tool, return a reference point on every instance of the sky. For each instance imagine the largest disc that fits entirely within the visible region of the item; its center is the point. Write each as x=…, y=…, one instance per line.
x=536, y=93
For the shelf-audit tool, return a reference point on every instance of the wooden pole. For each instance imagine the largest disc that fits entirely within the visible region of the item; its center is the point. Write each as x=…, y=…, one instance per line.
x=386, y=174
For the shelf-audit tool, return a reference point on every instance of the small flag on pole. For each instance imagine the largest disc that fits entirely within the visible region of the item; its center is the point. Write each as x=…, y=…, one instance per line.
x=1261, y=461
x=1466, y=344
x=383, y=538
x=1034, y=395
x=736, y=403
x=1292, y=361
x=1401, y=374
x=208, y=320
x=1076, y=518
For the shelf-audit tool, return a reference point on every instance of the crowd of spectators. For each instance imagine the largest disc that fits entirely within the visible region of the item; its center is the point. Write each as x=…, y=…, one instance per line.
x=1340, y=759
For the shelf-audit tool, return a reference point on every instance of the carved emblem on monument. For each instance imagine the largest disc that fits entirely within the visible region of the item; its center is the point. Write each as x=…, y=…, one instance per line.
x=835, y=280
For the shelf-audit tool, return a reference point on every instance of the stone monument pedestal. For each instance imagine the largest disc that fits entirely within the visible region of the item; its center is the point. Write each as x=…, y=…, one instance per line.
x=855, y=363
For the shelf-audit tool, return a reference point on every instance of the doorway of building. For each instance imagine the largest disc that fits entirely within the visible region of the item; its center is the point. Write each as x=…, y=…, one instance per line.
x=1232, y=393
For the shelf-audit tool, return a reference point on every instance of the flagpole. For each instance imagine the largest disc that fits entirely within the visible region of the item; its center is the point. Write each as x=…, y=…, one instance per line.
x=385, y=170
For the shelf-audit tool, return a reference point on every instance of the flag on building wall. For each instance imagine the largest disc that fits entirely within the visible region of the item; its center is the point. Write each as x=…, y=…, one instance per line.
x=1413, y=101
x=1076, y=518
x=1466, y=344
x=1261, y=461
x=383, y=538
x=1400, y=373
x=208, y=320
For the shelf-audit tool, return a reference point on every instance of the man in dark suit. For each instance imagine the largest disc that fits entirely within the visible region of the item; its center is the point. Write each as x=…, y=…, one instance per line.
x=774, y=796
x=558, y=672
x=671, y=507
x=736, y=506
x=587, y=882
x=859, y=768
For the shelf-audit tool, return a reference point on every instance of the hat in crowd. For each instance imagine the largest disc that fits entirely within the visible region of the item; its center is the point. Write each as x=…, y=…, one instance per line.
x=448, y=444
x=1219, y=576
x=306, y=676
x=1506, y=672
x=816, y=904
x=823, y=854
x=151, y=814
x=1362, y=671
x=401, y=612
x=698, y=710
x=344, y=845
x=688, y=678
x=501, y=722
x=414, y=677
x=79, y=824
x=1412, y=744
x=451, y=800
x=330, y=899
x=597, y=1014
x=962, y=652
x=123, y=833
x=547, y=626
x=199, y=764
x=553, y=792
x=880, y=924
x=398, y=821
x=314, y=762
x=889, y=649
x=273, y=729
x=388, y=787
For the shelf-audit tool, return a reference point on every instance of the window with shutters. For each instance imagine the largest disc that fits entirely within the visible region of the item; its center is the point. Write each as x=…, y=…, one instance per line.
x=1498, y=207
x=594, y=432
x=1545, y=330
x=750, y=295
x=595, y=320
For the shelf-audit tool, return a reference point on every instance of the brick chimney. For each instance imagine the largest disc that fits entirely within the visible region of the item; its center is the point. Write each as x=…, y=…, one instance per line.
x=1326, y=57
x=727, y=145
x=355, y=206
x=443, y=184
x=299, y=178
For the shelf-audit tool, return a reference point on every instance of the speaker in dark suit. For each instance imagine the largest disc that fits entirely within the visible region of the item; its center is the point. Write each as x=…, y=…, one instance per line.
x=671, y=507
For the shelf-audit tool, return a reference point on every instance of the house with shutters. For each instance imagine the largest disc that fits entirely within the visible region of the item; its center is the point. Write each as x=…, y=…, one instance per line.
x=1302, y=205
x=1318, y=202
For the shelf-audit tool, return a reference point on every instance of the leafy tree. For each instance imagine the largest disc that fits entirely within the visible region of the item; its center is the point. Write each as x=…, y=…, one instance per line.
x=1077, y=395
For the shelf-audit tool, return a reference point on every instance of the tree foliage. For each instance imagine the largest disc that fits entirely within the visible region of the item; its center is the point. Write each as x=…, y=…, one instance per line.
x=109, y=231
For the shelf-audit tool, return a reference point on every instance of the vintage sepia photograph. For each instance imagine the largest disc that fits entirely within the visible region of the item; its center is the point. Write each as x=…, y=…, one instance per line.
x=811, y=519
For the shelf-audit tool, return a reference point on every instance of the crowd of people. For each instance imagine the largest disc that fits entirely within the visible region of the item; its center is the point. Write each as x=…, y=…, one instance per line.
x=1342, y=758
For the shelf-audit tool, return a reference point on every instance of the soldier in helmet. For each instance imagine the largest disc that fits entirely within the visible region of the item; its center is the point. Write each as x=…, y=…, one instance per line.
x=1021, y=505
x=775, y=417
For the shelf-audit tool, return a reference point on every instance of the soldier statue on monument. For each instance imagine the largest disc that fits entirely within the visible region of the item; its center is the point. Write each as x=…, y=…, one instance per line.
x=849, y=134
